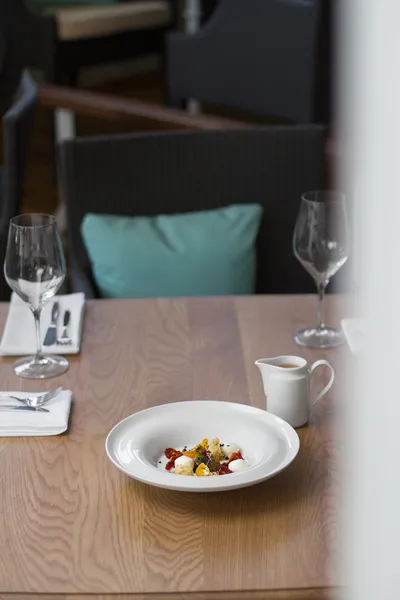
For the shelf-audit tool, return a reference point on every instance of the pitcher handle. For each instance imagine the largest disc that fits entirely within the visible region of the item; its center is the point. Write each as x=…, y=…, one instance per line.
x=320, y=363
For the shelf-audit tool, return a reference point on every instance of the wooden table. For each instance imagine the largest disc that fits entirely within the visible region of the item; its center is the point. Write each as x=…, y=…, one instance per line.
x=73, y=525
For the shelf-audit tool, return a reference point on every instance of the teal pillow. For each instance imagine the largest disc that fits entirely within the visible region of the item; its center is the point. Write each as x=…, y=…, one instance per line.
x=206, y=253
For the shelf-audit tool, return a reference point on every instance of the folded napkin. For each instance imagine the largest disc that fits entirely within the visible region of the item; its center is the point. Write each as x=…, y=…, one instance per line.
x=19, y=331
x=355, y=333
x=24, y=423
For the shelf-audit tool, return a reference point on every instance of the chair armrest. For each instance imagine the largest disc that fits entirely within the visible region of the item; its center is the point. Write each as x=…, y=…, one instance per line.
x=127, y=110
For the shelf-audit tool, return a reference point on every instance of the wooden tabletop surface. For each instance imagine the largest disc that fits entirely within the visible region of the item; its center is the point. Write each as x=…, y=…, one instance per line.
x=72, y=524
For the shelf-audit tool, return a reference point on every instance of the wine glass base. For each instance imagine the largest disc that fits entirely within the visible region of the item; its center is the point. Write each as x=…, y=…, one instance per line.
x=47, y=366
x=313, y=337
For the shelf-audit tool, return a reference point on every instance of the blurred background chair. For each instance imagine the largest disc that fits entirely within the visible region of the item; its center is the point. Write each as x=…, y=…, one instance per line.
x=61, y=38
x=131, y=103
x=24, y=42
x=265, y=57
x=16, y=128
x=86, y=33
x=28, y=40
x=179, y=172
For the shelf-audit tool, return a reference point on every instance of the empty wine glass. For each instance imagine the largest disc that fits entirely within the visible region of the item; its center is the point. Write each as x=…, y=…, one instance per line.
x=34, y=268
x=320, y=243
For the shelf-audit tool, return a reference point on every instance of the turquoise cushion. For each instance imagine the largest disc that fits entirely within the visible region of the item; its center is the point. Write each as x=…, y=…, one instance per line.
x=193, y=254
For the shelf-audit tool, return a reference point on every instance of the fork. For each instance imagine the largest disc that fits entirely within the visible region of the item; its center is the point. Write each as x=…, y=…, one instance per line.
x=65, y=340
x=8, y=407
x=38, y=400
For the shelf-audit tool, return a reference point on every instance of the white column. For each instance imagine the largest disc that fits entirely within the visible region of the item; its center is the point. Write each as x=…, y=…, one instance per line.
x=192, y=21
x=192, y=16
x=369, y=44
x=64, y=124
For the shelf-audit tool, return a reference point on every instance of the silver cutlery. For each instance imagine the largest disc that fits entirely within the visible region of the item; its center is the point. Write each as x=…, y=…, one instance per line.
x=51, y=333
x=65, y=340
x=36, y=401
x=8, y=407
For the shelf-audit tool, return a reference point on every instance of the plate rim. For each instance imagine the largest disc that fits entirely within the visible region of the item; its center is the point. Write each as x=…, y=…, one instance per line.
x=258, y=412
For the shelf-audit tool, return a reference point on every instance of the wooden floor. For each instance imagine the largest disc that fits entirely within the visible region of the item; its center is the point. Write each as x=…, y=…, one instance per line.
x=41, y=194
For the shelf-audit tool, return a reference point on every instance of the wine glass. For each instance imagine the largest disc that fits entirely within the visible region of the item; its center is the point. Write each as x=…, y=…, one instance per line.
x=34, y=268
x=320, y=243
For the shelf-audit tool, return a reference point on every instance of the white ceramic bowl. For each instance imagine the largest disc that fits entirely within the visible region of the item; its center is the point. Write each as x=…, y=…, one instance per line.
x=135, y=445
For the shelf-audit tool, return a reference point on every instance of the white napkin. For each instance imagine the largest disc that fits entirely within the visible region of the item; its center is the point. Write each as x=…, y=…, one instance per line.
x=19, y=331
x=355, y=332
x=25, y=423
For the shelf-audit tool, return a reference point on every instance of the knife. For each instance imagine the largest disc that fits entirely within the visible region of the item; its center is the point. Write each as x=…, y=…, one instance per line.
x=51, y=333
x=28, y=408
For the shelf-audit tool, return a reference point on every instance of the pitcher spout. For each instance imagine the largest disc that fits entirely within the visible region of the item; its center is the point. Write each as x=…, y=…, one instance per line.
x=268, y=364
x=267, y=367
x=278, y=364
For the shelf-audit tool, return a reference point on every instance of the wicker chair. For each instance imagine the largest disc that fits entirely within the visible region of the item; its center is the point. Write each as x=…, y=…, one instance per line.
x=269, y=58
x=182, y=171
x=92, y=35
x=63, y=40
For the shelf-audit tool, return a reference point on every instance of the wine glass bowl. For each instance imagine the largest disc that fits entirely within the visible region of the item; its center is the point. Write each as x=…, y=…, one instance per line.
x=320, y=243
x=35, y=269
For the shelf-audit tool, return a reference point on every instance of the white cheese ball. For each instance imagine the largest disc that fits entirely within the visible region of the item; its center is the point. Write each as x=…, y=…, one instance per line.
x=237, y=465
x=229, y=449
x=185, y=461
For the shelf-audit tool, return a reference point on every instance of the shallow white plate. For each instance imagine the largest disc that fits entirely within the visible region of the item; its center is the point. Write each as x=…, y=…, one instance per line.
x=135, y=445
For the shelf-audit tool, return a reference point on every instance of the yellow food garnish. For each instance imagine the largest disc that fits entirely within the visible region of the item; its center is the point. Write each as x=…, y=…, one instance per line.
x=202, y=470
x=195, y=451
x=191, y=453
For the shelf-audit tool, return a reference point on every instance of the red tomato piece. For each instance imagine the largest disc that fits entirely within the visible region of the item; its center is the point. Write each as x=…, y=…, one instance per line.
x=172, y=456
x=170, y=452
x=235, y=456
x=224, y=470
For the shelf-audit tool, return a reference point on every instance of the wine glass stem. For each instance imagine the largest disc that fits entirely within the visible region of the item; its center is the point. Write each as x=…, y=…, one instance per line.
x=321, y=295
x=39, y=355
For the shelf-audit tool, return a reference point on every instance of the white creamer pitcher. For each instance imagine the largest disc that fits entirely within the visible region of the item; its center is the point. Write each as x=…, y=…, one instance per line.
x=286, y=381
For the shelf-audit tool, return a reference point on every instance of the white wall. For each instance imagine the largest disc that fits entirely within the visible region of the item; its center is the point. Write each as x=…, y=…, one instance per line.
x=370, y=97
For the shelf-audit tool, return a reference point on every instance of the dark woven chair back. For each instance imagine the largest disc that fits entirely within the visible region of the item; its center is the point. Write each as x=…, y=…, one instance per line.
x=264, y=57
x=182, y=171
x=27, y=39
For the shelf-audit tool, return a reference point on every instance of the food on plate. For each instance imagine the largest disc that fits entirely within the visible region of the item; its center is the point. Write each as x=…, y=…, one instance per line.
x=202, y=470
x=172, y=455
x=237, y=465
x=205, y=459
x=229, y=448
x=195, y=451
x=224, y=470
x=183, y=470
x=185, y=461
x=235, y=456
x=216, y=450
